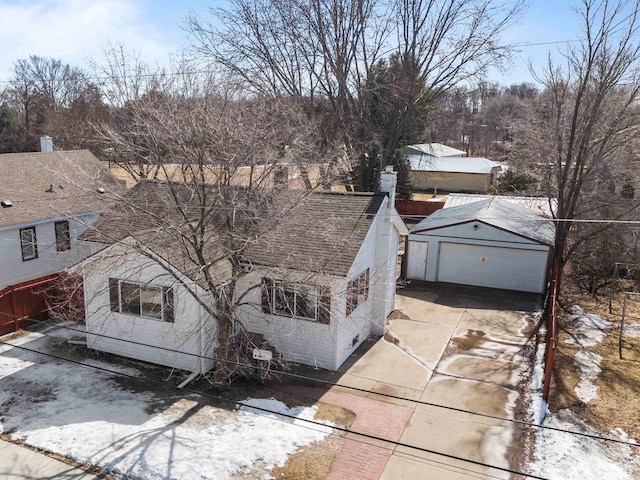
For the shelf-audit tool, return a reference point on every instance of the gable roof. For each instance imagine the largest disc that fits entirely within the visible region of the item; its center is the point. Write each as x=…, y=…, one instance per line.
x=73, y=175
x=479, y=165
x=539, y=205
x=496, y=212
x=436, y=150
x=319, y=231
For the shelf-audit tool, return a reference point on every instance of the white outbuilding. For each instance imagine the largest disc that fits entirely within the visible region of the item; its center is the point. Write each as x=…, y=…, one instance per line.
x=490, y=243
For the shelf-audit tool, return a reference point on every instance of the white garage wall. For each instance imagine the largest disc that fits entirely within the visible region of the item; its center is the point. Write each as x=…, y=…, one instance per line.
x=463, y=234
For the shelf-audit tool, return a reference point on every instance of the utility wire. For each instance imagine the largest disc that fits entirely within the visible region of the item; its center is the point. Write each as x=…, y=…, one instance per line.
x=277, y=414
x=333, y=384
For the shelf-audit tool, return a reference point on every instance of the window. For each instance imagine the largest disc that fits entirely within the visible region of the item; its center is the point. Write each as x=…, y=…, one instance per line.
x=357, y=291
x=28, y=243
x=306, y=302
x=141, y=300
x=63, y=239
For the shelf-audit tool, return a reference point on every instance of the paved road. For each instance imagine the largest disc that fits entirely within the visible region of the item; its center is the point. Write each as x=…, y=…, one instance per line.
x=18, y=462
x=455, y=346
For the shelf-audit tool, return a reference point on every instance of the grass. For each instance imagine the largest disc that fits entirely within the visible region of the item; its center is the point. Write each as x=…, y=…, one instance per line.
x=618, y=402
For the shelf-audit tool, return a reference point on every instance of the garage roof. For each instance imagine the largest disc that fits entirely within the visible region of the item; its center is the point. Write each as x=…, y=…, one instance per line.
x=479, y=165
x=539, y=205
x=437, y=150
x=496, y=212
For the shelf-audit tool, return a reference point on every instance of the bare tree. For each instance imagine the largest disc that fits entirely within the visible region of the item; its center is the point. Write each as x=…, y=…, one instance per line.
x=218, y=156
x=586, y=116
x=322, y=53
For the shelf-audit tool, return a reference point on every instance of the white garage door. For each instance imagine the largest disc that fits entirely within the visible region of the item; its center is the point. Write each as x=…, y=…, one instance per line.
x=495, y=267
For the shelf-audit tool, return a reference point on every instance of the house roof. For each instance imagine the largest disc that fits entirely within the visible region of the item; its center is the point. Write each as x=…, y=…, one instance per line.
x=479, y=165
x=295, y=229
x=437, y=150
x=539, y=205
x=496, y=212
x=51, y=185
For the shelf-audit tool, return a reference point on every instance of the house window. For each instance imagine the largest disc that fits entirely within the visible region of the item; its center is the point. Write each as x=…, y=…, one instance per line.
x=312, y=303
x=28, y=243
x=63, y=239
x=357, y=291
x=141, y=300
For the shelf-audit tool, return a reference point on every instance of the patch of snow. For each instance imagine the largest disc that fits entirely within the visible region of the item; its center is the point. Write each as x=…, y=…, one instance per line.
x=88, y=416
x=588, y=366
x=632, y=329
x=566, y=456
x=584, y=329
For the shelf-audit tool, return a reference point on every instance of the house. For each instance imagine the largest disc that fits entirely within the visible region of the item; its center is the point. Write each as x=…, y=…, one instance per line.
x=453, y=174
x=314, y=284
x=47, y=199
x=489, y=243
x=434, y=150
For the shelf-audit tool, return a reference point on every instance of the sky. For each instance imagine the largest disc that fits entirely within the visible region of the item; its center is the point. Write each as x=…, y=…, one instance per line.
x=76, y=31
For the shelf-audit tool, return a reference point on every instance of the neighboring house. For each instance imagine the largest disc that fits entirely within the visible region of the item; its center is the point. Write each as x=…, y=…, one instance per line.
x=453, y=174
x=490, y=243
x=47, y=199
x=434, y=150
x=314, y=287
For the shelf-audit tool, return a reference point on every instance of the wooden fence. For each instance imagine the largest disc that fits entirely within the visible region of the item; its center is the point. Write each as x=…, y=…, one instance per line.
x=22, y=301
x=417, y=208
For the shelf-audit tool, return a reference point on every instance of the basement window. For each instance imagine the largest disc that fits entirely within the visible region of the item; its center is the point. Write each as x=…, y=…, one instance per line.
x=28, y=243
x=139, y=300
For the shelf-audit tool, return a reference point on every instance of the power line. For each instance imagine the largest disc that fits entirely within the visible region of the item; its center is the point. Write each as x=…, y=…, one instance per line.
x=278, y=414
x=333, y=384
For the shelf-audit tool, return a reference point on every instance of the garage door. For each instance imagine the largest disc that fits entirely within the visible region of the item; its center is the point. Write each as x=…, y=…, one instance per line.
x=495, y=267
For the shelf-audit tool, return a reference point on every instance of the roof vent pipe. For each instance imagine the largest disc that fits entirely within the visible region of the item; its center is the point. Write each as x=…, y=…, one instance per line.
x=46, y=144
x=388, y=181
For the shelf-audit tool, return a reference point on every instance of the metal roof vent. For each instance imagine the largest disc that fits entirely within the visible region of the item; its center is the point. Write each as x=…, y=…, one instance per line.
x=6, y=203
x=101, y=190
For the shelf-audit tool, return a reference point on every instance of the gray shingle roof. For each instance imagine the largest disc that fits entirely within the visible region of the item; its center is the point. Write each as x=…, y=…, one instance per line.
x=294, y=229
x=75, y=177
x=497, y=212
x=436, y=150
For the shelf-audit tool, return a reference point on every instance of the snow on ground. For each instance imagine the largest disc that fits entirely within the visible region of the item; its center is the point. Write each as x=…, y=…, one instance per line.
x=632, y=329
x=87, y=415
x=565, y=456
x=586, y=330
x=588, y=366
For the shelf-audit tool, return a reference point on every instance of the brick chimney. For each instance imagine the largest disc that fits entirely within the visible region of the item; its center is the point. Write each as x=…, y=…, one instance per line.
x=46, y=144
x=388, y=181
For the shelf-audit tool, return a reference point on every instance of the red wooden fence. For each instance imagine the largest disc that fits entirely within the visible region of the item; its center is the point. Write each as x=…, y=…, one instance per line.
x=417, y=208
x=22, y=301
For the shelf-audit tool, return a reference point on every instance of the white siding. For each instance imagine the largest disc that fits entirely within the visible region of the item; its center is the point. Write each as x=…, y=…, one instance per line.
x=192, y=334
x=298, y=340
x=14, y=270
x=417, y=260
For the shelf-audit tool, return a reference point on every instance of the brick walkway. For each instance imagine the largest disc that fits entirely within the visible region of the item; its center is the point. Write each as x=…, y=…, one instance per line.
x=359, y=457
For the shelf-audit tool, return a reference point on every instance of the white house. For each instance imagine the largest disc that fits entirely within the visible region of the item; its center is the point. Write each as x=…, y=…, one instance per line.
x=489, y=243
x=314, y=286
x=47, y=199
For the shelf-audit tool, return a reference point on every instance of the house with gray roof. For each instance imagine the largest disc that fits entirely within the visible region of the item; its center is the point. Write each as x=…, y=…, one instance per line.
x=489, y=243
x=434, y=150
x=453, y=174
x=317, y=273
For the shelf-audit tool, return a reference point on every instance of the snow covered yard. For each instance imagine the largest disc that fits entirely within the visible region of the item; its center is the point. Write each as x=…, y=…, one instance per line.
x=137, y=431
x=593, y=392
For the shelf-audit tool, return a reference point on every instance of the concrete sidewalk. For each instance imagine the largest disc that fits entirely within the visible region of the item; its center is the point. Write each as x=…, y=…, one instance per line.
x=18, y=462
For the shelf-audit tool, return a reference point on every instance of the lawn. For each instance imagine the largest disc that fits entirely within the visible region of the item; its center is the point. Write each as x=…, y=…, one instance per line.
x=137, y=430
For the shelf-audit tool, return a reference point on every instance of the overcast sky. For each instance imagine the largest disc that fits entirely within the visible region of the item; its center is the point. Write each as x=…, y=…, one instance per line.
x=76, y=30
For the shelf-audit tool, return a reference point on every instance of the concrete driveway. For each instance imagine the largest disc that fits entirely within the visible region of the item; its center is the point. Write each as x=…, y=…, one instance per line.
x=456, y=346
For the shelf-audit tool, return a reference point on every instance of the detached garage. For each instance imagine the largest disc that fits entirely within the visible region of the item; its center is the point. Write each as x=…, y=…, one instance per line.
x=490, y=243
